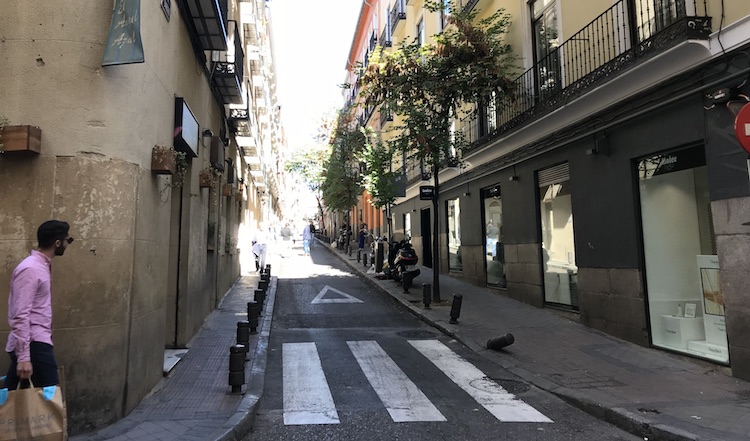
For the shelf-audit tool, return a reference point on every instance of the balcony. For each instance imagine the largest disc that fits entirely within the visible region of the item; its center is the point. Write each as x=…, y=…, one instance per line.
x=373, y=40
x=209, y=20
x=229, y=73
x=397, y=14
x=385, y=37
x=617, y=40
x=385, y=115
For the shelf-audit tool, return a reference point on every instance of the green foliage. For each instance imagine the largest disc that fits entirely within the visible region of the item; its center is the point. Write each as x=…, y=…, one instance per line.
x=427, y=85
x=379, y=180
x=342, y=182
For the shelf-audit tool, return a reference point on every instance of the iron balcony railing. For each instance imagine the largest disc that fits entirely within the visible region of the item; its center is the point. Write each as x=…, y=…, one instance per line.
x=373, y=40
x=397, y=13
x=621, y=37
x=385, y=37
x=385, y=115
x=229, y=74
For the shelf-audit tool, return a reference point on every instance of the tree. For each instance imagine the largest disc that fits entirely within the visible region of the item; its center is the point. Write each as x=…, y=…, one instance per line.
x=379, y=178
x=309, y=163
x=426, y=86
x=341, y=185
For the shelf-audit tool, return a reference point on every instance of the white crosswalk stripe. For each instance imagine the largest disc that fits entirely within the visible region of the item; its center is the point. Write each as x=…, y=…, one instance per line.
x=401, y=397
x=499, y=402
x=308, y=400
x=307, y=397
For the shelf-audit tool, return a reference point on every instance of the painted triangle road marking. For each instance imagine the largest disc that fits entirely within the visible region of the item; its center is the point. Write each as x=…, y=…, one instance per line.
x=345, y=298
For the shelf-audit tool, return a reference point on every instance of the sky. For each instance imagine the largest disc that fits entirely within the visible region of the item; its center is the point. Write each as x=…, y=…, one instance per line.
x=311, y=45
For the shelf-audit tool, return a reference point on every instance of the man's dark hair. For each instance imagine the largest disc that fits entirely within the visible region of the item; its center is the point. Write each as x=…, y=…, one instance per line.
x=51, y=231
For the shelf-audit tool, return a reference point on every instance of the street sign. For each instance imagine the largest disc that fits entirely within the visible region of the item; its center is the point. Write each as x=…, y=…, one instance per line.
x=426, y=192
x=742, y=127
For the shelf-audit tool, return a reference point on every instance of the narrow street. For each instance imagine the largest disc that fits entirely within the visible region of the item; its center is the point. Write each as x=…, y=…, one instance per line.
x=346, y=362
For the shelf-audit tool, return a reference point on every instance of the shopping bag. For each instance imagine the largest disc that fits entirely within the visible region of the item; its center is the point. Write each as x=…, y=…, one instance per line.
x=33, y=414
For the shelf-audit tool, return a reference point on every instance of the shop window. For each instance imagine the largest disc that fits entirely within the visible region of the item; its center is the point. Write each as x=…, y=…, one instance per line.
x=454, y=235
x=558, y=244
x=686, y=306
x=493, y=233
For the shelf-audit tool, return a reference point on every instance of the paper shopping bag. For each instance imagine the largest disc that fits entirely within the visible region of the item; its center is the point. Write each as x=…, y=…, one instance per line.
x=33, y=414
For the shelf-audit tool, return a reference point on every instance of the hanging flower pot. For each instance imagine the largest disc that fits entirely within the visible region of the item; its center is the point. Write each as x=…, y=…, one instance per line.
x=206, y=178
x=226, y=190
x=20, y=139
x=163, y=160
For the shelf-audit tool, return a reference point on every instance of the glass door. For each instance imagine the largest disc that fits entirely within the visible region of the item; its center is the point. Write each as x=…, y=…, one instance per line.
x=493, y=233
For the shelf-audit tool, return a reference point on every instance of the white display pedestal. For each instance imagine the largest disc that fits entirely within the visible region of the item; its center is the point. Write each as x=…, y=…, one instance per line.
x=678, y=331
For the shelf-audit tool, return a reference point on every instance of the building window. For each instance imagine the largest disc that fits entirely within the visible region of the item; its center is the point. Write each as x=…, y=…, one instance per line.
x=420, y=32
x=493, y=233
x=558, y=244
x=686, y=306
x=546, y=39
x=454, y=235
x=407, y=226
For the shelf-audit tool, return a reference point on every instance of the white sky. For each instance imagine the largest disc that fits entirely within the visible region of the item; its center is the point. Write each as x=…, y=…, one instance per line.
x=311, y=45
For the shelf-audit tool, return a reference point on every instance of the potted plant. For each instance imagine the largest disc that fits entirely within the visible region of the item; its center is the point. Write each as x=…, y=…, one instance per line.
x=227, y=190
x=206, y=178
x=163, y=160
x=19, y=138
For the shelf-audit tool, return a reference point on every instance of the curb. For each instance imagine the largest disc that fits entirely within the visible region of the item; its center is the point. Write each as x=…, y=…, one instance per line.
x=240, y=423
x=619, y=417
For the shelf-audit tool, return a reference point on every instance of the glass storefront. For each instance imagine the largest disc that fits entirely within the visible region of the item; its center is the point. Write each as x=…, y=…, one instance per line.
x=454, y=235
x=558, y=245
x=686, y=306
x=493, y=233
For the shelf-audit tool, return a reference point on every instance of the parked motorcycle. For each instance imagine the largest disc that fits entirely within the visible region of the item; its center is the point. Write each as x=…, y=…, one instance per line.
x=405, y=265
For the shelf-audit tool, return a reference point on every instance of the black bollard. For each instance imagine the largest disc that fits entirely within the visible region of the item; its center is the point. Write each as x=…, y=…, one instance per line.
x=456, y=308
x=260, y=297
x=426, y=295
x=408, y=278
x=253, y=311
x=500, y=342
x=263, y=284
x=236, y=368
x=265, y=277
x=268, y=269
x=359, y=255
x=364, y=260
x=349, y=250
x=379, y=253
x=243, y=335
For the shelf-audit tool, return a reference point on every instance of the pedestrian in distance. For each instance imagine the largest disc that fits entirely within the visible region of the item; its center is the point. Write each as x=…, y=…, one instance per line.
x=256, y=254
x=261, y=240
x=307, y=238
x=286, y=238
x=29, y=346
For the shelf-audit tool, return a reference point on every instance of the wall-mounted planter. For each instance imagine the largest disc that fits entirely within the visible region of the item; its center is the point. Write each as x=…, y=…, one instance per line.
x=226, y=190
x=163, y=161
x=205, y=179
x=20, y=139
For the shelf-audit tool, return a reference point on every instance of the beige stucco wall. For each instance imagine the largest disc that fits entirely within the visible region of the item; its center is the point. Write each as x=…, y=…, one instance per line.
x=111, y=291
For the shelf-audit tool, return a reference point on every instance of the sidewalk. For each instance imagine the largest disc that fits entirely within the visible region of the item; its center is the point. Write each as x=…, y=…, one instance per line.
x=649, y=392
x=194, y=402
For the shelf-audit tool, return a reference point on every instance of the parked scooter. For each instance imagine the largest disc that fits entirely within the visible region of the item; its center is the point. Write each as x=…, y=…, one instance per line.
x=405, y=265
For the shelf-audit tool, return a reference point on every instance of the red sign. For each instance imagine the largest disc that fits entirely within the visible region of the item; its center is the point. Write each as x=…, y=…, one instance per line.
x=742, y=127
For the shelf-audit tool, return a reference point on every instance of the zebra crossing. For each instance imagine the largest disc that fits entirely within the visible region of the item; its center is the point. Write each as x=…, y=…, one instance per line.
x=307, y=396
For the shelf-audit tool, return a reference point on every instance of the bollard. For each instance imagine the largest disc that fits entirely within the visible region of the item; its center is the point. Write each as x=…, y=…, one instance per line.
x=253, y=311
x=426, y=295
x=259, y=297
x=364, y=260
x=243, y=335
x=265, y=277
x=456, y=308
x=359, y=255
x=349, y=250
x=236, y=368
x=379, y=253
x=500, y=342
x=408, y=277
x=263, y=284
x=268, y=269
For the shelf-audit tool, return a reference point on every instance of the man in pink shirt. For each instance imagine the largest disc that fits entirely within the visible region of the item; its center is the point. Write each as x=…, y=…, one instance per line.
x=30, y=310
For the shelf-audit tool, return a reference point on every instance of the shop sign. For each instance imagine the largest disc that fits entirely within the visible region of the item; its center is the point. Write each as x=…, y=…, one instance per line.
x=426, y=192
x=742, y=127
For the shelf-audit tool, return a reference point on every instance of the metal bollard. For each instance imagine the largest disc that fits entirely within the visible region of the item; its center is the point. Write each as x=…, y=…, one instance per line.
x=408, y=277
x=268, y=269
x=500, y=342
x=265, y=277
x=349, y=250
x=260, y=297
x=236, y=368
x=379, y=255
x=243, y=335
x=253, y=311
x=456, y=308
x=263, y=284
x=364, y=260
x=426, y=295
x=359, y=255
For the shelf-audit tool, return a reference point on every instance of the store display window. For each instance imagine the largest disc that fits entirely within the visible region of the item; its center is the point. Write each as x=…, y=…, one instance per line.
x=558, y=244
x=454, y=235
x=493, y=233
x=686, y=306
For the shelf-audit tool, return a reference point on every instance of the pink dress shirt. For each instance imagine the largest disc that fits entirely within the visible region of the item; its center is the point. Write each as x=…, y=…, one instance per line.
x=30, y=305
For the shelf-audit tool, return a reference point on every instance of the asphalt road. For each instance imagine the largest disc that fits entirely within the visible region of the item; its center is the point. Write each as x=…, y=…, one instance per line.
x=346, y=362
